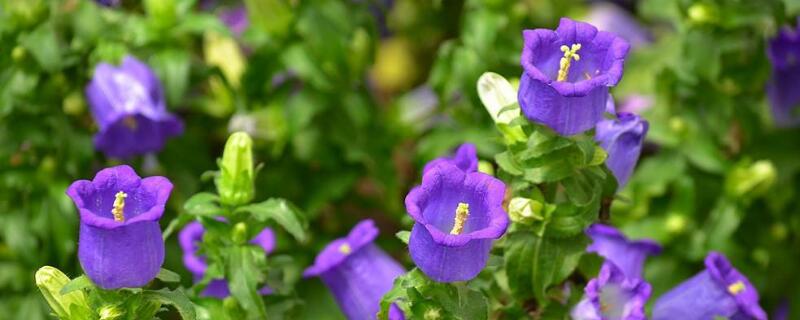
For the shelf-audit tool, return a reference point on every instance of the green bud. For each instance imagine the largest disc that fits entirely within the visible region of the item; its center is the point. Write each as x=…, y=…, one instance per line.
x=50, y=282
x=675, y=223
x=73, y=103
x=236, y=172
x=223, y=51
x=486, y=167
x=18, y=54
x=779, y=231
x=702, y=13
x=750, y=180
x=163, y=12
x=496, y=94
x=240, y=233
x=525, y=211
x=677, y=125
x=432, y=314
x=109, y=312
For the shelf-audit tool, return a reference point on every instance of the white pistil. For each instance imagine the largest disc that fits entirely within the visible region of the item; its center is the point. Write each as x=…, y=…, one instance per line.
x=119, y=206
x=462, y=212
x=570, y=53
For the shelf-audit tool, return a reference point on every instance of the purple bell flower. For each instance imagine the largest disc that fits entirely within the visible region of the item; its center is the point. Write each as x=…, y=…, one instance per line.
x=622, y=139
x=119, y=242
x=357, y=272
x=718, y=291
x=627, y=255
x=465, y=158
x=109, y=3
x=457, y=214
x=783, y=92
x=567, y=73
x=189, y=239
x=128, y=104
x=613, y=296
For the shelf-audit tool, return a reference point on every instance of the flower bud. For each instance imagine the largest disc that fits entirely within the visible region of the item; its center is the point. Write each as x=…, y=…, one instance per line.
x=240, y=233
x=485, y=167
x=496, y=93
x=50, y=282
x=223, y=52
x=109, y=312
x=751, y=180
x=524, y=210
x=236, y=175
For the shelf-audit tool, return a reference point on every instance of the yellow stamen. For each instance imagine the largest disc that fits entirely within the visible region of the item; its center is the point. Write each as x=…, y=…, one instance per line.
x=736, y=288
x=130, y=122
x=462, y=212
x=119, y=206
x=570, y=53
x=345, y=248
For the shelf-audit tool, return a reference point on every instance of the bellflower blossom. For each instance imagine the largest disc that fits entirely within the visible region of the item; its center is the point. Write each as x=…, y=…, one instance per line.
x=236, y=19
x=128, y=104
x=567, y=73
x=119, y=242
x=622, y=139
x=357, y=272
x=718, y=291
x=627, y=255
x=612, y=18
x=783, y=91
x=189, y=238
x=613, y=296
x=457, y=215
x=465, y=158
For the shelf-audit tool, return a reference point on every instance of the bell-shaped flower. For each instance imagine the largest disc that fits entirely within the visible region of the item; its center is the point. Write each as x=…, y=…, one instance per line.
x=465, y=158
x=607, y=16
x=119, y=242
x=622, y=139
x=567, y=73
x=783, y=91
x=718, y=291
x=128, y=105
x=457, y=215
x=627, y=255
x=613, y=296
x=357, y=272
x=189, y=239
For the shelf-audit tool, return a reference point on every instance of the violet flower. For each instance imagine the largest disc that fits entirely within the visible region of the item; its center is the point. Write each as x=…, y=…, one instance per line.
x=189, y=239
x=128, y=104
x=718, y=291
x=236, y=19
x=457, y=214
x=636, y=103
x=612, y=18
x=109, y=3
x=613, y=296
x=119, y=242
x=622, y=139
x=567, y=73
x=465, y=158
x=783, y=92
x=356, y=271
x=627, y=255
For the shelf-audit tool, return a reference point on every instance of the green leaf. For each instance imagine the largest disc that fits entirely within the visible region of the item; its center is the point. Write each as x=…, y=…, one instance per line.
x=175, y=298
x=172, y=67
x=283, y=213
x=203, y=204
x=168, y=276
x=417, y=295
x=243, y=275
x=78, y=283
x=43, y=45
x=533, y=264
x=507, y=162
x=403, y=236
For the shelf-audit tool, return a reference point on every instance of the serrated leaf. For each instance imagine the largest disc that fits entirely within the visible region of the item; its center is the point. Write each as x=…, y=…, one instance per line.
x=203, y=204
x=168, y=276
x=283, y=213
x=175, y=298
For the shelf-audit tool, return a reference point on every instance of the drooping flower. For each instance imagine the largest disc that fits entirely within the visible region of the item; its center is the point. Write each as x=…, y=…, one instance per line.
x=783, y=92
x=567, y=73
x=622, y=139
x=119, y=242
x=613, y=296
x=612, y=18
x=718, y=291
x=128, y=104
x=627, y=255
x=457, y=215
x=356, y=271
x=189, y=239
x=465, y=158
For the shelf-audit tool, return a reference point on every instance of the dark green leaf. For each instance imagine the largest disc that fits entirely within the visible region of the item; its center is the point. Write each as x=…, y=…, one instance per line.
x=283, y=213
x=175, y=298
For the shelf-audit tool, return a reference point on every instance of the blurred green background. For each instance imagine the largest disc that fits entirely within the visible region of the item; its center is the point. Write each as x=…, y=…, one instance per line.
x=346, y=100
